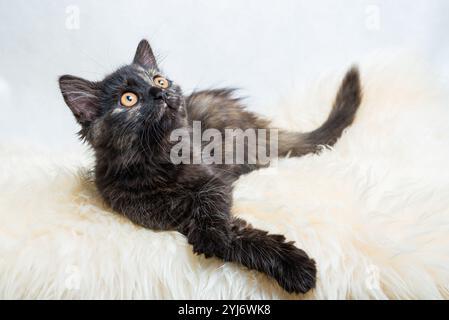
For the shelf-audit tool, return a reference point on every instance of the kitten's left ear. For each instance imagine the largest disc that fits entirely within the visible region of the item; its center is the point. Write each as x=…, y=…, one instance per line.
x=144, y=56
x=82, y=98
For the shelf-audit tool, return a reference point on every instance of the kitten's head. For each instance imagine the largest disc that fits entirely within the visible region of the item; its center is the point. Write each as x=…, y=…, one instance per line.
x=136, y=106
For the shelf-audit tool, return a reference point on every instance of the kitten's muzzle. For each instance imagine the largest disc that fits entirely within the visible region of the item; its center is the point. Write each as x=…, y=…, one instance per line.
x=157, y=93
x=160, y=95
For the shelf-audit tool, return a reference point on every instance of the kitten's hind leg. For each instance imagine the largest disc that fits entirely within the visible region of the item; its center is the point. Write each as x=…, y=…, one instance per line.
x=271, y=254
x=344, y=109
x=234, y=240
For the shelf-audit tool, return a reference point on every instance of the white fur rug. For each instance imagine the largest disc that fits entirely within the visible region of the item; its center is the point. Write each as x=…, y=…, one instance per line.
x=373, y=212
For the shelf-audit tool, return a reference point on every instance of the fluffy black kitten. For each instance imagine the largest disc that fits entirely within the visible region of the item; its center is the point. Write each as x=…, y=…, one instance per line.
x=127, y=119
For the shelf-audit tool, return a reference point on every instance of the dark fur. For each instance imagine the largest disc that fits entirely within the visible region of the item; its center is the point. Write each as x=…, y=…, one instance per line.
x=135, y=176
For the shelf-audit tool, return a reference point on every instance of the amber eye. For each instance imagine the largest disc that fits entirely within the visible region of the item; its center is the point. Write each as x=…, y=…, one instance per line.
x=161, y=82
x=129, y=99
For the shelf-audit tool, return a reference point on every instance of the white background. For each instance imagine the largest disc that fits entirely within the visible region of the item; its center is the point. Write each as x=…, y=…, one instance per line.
x=265, y=47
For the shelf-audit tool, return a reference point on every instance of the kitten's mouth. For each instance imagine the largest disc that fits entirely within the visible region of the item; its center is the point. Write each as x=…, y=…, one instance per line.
x=165, y=106
x=165, y=102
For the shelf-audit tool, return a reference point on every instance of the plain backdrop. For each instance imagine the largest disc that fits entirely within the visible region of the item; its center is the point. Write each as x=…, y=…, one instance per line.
x=267, y=48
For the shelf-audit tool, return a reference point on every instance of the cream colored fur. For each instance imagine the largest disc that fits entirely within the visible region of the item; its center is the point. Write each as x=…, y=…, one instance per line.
x=373, y=212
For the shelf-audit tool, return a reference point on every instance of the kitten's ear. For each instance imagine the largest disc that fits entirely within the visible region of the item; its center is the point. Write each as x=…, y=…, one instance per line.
x=144, y=56
x=81, y=96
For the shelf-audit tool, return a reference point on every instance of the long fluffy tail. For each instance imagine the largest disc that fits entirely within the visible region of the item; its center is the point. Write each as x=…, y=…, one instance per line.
x=346, y=103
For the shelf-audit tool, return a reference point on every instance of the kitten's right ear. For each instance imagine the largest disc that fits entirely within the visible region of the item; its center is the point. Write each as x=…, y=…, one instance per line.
x=81, y=96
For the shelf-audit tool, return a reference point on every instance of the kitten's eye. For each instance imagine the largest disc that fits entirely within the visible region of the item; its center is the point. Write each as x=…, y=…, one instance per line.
x=161, y=82
x=129, y=99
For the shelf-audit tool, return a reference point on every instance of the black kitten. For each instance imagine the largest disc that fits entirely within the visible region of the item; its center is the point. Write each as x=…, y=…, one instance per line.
x=128, y=117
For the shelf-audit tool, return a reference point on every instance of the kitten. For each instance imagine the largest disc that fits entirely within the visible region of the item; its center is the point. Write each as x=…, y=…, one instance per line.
x=127, y=119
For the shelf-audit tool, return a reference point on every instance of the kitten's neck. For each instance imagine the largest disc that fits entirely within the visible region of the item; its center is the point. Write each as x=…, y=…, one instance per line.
x=137, y=163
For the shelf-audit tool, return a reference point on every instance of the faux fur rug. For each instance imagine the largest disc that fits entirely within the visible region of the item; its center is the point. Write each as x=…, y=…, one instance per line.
x=373, y=212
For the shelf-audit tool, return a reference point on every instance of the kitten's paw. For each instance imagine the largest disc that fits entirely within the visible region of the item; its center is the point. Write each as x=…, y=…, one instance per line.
x=295, y=272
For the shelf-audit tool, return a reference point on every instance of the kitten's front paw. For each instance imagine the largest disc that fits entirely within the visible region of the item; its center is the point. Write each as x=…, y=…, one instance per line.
x=296, y=272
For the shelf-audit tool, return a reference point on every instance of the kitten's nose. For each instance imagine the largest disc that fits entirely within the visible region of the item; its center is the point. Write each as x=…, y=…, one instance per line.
x=157, y=93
